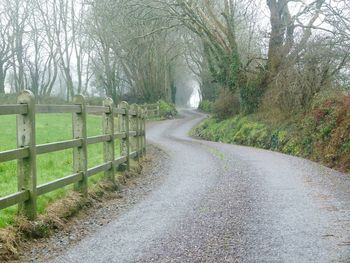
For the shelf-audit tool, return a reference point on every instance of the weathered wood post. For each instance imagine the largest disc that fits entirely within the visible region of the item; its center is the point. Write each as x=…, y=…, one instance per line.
x=146, y=110
x=80, y=153
x=138, y=132
x=143, y=132
x=108, y=147
x=26, y=167
x=143, y=107
x=124, y=127
x=133, y=127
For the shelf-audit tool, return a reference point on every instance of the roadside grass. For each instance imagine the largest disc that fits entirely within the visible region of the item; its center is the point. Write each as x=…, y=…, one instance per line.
x=321, y=134
x=49, y=128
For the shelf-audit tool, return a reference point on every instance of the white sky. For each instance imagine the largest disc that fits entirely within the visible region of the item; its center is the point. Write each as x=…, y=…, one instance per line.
x=195, y=97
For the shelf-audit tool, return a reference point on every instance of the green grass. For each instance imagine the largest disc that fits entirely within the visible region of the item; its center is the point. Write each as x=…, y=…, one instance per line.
x=321, y=134
x=49, y=128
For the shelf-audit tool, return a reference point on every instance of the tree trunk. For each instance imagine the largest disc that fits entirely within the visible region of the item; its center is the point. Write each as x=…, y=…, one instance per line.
x=2, y=80
x=281, y=37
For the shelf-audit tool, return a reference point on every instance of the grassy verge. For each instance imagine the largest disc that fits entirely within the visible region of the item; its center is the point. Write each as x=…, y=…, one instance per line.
x=321, y=135
x=50, y=128
x=58, y=214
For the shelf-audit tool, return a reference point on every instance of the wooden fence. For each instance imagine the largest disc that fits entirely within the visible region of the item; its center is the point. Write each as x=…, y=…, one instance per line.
x=152, y=110
x=131, y=127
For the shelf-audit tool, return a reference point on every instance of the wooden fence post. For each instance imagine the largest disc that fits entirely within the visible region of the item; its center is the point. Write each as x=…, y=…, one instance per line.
x=138, y=135
x=143, y=132
x=140, y=131
x=124, y=127
x=144, y=135
x=158, y=109
x=26, y=167
x=80, y=153
x=132, y=127
x=108, y=147
x=144, y=107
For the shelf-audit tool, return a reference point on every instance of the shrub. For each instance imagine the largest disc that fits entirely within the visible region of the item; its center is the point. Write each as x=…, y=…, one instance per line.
x=167, y=110
x=226, y=105
x=240, y=130
x=206, y=106
x=278, y=139
x=293, y=147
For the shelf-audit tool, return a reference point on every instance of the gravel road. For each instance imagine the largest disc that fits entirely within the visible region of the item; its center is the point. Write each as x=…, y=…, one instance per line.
x=226, y=203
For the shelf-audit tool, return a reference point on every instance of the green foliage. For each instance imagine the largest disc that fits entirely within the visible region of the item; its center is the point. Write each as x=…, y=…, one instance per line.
x=278, y=139
x=238, y=130
x=292, y=147
x=223, y=66
x=250, y=96
x=206, y=106
x=245, y=131
x=167, y=110
x=327, y=127
x=322, y=135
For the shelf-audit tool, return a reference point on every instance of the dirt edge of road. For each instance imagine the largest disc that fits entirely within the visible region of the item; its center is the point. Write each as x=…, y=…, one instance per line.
x=69, y=220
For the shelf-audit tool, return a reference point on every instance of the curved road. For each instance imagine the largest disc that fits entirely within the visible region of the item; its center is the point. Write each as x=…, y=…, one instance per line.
x=227, y=203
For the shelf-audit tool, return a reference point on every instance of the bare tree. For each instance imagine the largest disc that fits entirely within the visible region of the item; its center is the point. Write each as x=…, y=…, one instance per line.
x=17, y=12
x=50, y=67
x=5, y=47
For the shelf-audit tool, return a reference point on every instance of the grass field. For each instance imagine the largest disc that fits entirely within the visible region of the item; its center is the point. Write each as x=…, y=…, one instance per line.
x=49, y=128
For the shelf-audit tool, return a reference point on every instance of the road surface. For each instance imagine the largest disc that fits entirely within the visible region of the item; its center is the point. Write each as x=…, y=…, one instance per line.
x=227, y=203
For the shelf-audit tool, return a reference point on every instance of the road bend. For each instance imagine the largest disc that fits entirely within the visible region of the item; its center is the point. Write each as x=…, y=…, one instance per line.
x=226, y=203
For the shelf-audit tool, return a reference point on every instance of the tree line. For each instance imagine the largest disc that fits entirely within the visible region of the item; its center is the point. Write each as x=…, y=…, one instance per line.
x=107, y=48
x=265, y=53
x=273, y=53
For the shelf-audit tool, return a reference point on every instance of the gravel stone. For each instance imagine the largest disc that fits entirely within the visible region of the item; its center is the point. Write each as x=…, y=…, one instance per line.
x=241, y=205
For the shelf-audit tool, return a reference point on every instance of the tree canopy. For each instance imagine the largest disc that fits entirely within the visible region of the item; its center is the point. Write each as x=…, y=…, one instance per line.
x=273, y=52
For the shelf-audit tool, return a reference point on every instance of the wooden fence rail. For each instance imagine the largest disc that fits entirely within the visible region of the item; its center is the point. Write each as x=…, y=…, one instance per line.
x=131, y=128
x=152, y=110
